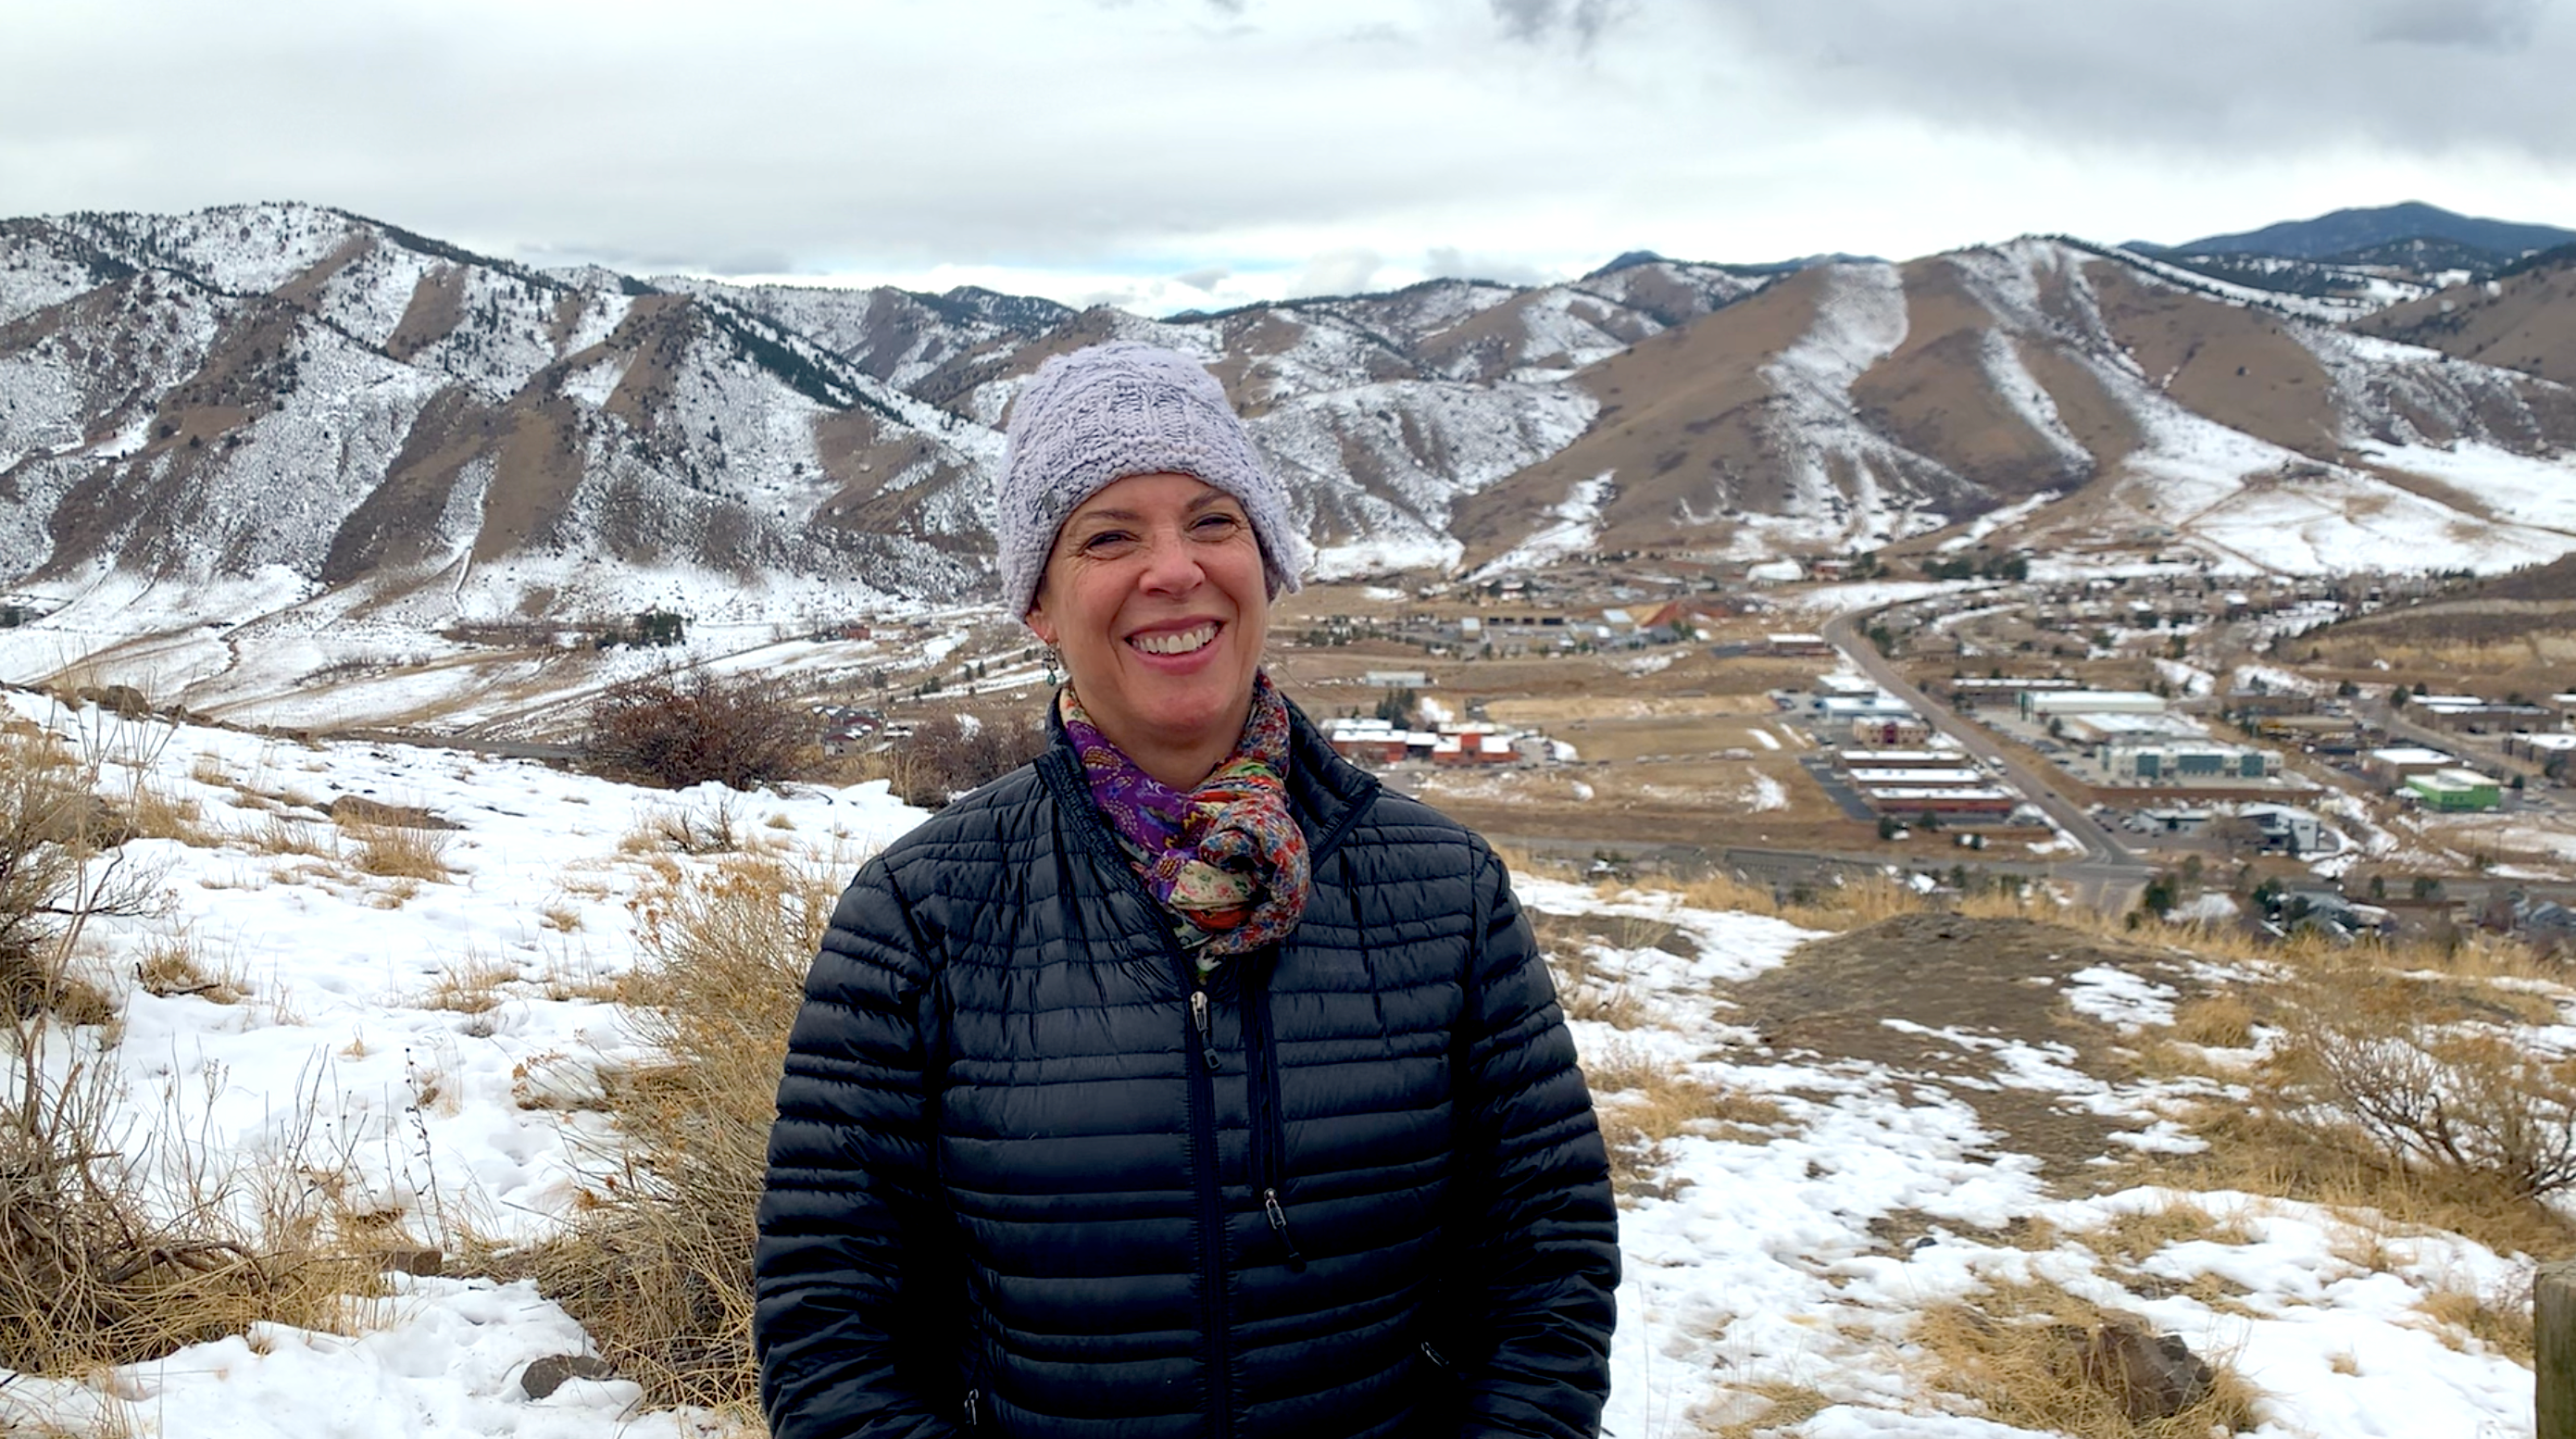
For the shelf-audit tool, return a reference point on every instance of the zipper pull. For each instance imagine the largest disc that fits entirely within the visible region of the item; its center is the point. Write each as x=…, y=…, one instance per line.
x=1279, y=1226
x=971, y=1396
x=1199, y=1022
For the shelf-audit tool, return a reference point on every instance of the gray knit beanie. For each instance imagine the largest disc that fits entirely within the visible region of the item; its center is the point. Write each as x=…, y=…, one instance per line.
x=1089, y=419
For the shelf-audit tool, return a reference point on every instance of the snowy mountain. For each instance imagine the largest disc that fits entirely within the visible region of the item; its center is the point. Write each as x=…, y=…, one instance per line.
x=284, y=418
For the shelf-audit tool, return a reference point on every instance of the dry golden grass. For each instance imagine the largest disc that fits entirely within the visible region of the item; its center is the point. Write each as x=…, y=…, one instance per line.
x=2134, y=1236
x=402, y=851
x=2018, y=1352
x=2215, y=1021
x=275, y=834
x=471, y=985
x=153, y=813
x=2501, y=1322
x=1786, y=1406
x=656, y=1267
x=1646, y=1102
x=171, y=964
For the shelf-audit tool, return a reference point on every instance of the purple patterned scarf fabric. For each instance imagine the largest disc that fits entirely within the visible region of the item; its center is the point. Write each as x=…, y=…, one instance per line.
x=1226, y=859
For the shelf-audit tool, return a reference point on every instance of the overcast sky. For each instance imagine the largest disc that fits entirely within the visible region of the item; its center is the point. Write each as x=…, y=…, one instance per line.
x=1170, y=153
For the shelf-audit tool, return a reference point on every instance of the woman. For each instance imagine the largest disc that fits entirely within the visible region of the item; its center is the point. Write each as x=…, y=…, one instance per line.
x=1183, y=1082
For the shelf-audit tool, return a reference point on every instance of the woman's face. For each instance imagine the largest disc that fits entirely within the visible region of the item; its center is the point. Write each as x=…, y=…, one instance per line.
x=1156, y=596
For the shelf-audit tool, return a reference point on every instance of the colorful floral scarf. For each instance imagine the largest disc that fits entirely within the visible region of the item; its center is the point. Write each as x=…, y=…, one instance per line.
x=1226, y=859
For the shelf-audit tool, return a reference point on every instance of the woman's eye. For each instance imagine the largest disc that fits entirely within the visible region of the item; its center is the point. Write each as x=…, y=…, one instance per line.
x=1216, y=524
x=1105, y=539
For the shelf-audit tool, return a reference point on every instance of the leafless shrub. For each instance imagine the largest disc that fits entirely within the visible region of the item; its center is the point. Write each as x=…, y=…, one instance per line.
x=119, y=1241
x=740, y=732
x=947, y=755
x=2433, y=1088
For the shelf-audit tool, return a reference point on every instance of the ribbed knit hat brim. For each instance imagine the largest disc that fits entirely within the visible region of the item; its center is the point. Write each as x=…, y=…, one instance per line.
x=1088, y=419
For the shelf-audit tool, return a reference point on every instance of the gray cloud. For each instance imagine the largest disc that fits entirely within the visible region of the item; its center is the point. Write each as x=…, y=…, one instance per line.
x=1540, y=19
x=1204, y=280
x=2228, y=79
x=2502, y=25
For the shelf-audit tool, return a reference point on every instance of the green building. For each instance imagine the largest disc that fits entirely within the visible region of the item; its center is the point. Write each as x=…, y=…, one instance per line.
x=2455, y=789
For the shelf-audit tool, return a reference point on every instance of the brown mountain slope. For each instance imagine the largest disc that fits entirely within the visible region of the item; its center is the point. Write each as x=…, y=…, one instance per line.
x=2226, y=362
x=1935, y=394
x=1680, y=423
x=2523, y=322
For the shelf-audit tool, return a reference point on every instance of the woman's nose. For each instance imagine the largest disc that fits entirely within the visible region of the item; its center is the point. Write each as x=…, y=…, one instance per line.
x=1170, y=568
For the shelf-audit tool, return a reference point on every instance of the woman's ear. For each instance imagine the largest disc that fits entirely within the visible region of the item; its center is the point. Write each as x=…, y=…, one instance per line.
x=1038, y=623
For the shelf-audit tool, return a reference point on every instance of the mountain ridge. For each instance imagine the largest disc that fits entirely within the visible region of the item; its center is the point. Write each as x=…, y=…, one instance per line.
x=308, y=415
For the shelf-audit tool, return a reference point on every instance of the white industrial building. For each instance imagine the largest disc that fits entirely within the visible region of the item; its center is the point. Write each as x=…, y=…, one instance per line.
x=2042, y=705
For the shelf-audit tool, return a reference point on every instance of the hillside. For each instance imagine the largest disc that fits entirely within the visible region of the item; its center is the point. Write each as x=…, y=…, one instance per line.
x=283, y=429
x=2523, y=319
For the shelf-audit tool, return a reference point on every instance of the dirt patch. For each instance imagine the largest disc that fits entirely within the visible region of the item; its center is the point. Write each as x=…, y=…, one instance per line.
x=1999, y=979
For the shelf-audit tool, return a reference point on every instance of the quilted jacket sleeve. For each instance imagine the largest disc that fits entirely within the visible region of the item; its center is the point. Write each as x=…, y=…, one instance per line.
x=851, y=1322
x=1548, y=1239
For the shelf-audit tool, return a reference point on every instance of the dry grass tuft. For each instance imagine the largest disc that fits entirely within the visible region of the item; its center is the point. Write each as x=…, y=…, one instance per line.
x=2501, y=1322
x=402, y=851
x=658, y=1266
x=2215, y=1021
x=709, y=829
x=1785, y=1407
x=1645, y=1103
x=171, y=965
x=471, y=985
x=2019, y=1352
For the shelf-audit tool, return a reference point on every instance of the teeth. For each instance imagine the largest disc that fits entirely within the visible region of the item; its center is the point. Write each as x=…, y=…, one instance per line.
x=1180, y=643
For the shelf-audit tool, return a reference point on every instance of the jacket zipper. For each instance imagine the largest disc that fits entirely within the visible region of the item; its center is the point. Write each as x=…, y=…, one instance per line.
x=1269, y=1138
x=1203, y=1140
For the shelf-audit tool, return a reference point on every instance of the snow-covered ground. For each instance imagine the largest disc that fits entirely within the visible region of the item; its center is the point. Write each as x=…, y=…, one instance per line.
x=1753, y=1263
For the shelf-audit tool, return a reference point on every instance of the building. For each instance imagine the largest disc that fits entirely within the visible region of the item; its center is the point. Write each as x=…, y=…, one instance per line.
x=2542, y=749
x=2116, y=728
x=1948, y=801
x=2157, y=763
x=1982, y=687
x=2454, y=790
x=1878, y=706
x=2395, y=765
x=2042, y=706
x=1375, y=741
x=2292, y=831
x=1876, y=777
x=1789, y=644
x=1888, y=731
x=2472, y=715
x=1468, y=745
x=1397, y=679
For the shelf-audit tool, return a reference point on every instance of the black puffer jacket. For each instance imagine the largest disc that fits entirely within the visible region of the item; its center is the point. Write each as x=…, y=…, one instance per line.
x=1027, y=1177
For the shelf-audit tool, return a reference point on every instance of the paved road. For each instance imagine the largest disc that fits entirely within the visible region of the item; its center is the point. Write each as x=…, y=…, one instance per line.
x=2109, y=878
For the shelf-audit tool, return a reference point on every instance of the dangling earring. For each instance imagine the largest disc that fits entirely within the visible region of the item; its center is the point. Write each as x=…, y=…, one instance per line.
x=1054, y=666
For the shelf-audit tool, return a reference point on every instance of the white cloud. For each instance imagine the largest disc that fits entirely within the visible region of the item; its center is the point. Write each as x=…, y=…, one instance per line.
x=1339, y=272
x=1204, y=153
